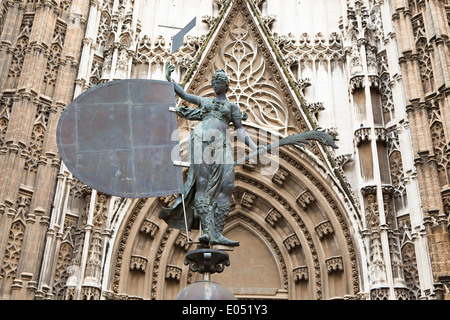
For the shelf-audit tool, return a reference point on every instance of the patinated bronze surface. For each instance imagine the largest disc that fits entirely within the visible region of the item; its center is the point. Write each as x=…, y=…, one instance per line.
x=210, y=182
x=118, y=139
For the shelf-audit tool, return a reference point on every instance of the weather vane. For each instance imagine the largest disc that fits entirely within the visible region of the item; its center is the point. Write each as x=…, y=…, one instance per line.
x=178, y=39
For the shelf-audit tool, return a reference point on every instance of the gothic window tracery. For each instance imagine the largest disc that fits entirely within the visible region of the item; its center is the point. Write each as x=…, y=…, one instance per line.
x=61, y=272
x=54, y=60
x=409, y=259
x=387, y=102
x=104, y=30
x=13, y=250
x=13, y=247
x=247, y=71
x=424, y=53
x=3, y=11
x=34, y=151
x=375, y=24
x=410, y=268
x=441, y=152
x=18, y=53
x=6, y=103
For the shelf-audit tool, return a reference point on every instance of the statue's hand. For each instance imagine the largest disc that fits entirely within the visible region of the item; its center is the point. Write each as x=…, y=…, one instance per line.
x=169, y=69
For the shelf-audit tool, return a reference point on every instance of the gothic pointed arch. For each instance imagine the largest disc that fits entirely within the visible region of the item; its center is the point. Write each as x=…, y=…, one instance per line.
x=299, y=214
x=259, y=83
x=297, y=232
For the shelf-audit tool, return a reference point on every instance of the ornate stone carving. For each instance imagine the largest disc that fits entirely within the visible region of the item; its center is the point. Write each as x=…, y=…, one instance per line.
x=291, y=242
x=301, y=274
x=248, y=200
x=248, y=166
x=123, y=243
x=269, y=19
x=157, y=263
x=257, y=85
x=302, y=84
x=441, y=151
x=374, y=81
x=90, y=293
x=355, y=59
x=168, y=200
x=149, y=227
x=54, y=59
x=379, y=294
x=220, y=3
x=371, y=208
x=324, y=228
x=361, y=135
x=182, y=241
x=63, y=263
x=13, y=249
x=343, y=159
x=315, y=107
x=18, y=53
x=333, y=131
x=280, y=177
x=381, y=134
x=6, y=103
x=378, y=265
x=304, y=49
x=423, y=53
x=258, y=3
x=387, y=100
x=356, y=82
x=305, y=198
x=272, y=217
x=402, y=294
x=173, y=272
x=312, y=179
x=138, y=263
x=209, y=20
x=446, y=202
x=334, y=264
x=409, y=261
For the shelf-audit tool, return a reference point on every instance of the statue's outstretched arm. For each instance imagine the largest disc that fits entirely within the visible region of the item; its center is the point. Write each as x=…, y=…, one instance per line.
x=243, y=135
x=179, y=89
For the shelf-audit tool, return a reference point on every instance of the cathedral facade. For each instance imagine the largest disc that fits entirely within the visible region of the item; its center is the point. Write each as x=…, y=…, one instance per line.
x=367, y=221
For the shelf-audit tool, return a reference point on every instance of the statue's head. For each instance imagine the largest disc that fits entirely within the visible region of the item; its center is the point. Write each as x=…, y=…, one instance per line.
x=221, y=76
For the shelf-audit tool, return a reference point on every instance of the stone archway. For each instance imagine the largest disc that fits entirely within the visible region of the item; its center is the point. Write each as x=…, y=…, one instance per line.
x=299, y=240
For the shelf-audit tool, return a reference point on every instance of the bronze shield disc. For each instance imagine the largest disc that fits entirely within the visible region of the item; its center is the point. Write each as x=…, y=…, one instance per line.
x=120, y=138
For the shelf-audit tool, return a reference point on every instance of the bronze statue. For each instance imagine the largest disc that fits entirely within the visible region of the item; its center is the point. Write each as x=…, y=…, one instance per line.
x=209, y=185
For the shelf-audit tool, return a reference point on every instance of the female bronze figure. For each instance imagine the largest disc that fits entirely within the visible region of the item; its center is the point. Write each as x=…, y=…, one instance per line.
x=210, y=182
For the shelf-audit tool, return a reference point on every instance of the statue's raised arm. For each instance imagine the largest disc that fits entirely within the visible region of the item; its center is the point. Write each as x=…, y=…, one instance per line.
x=179, y=89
